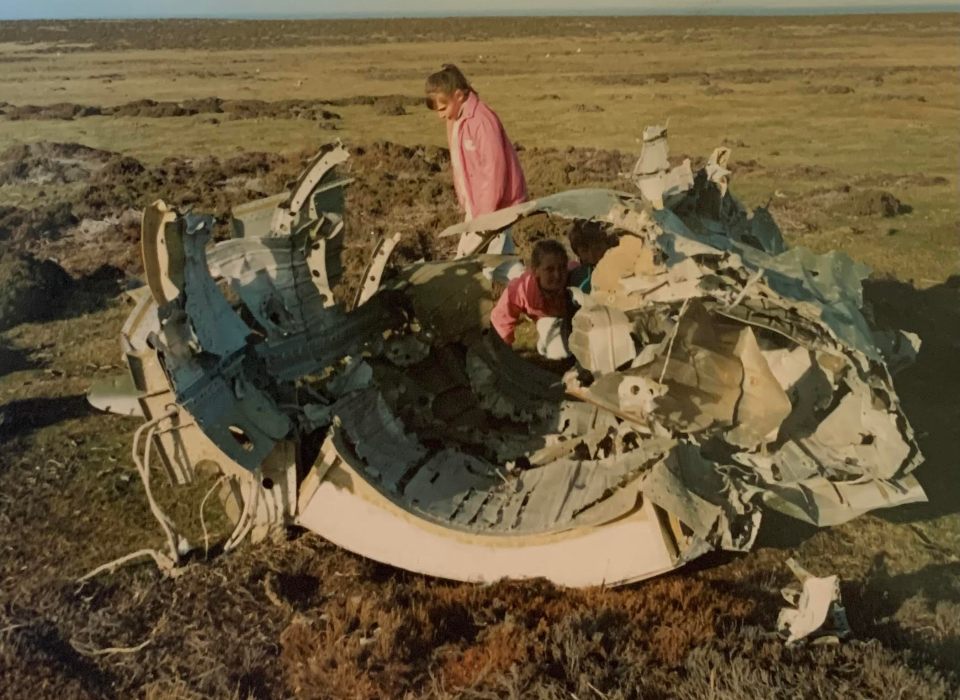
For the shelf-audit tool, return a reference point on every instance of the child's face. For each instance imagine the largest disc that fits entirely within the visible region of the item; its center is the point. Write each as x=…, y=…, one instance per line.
x=447, y=104
x=551, y=274
x=591, y=254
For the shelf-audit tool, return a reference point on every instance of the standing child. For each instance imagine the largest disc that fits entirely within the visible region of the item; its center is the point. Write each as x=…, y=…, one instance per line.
x=486, y=170
x=540, y=293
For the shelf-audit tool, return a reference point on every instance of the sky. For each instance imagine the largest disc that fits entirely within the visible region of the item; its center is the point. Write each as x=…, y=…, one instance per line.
x=49, y=9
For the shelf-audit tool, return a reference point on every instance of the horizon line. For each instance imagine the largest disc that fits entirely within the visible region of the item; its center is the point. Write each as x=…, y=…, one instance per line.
x=734, y=11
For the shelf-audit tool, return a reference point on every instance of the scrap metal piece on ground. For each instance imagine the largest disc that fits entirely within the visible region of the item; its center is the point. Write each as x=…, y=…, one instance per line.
x=720, y=374
x=817, y=613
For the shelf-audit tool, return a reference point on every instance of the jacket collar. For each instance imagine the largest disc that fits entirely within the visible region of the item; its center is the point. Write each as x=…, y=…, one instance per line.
x=469, y=106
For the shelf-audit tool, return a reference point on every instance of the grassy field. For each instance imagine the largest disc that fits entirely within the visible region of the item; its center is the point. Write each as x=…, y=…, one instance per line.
x=830, y=120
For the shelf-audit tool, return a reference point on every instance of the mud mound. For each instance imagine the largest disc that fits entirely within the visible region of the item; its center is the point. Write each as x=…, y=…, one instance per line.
x=282, y=109
x=875, y=203
x=46, y=162
x=207, y=183
x=827, y=90
x=29, y=288
x=389, y=108
x=551, y=170
x=237, y=109
x=370, y=100
x=60, y=110
x=398, y=189
x=827, y=207
x=154, y=109
x=150, y=108
x=207, y=105
x=714, y=90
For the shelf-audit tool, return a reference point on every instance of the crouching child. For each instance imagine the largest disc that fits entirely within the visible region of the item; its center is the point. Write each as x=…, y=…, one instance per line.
x=540, y=294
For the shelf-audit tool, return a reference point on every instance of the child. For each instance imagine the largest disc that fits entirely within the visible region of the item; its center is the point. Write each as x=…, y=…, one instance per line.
x=540, y=293
x=486, y=170
x=589, y=240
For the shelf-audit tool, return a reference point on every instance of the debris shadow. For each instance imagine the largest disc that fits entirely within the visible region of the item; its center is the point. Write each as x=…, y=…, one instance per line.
x=91, y=293
x=23, y=416
x=14, y=359
x=929, y=388
x=873, y=603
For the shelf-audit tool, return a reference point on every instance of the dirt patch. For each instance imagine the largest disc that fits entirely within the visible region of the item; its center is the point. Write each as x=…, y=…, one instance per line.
x=46, y=162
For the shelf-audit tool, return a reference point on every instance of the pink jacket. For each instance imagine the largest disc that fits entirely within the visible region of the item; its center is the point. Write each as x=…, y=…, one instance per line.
x=486, y=170
x=523, y=296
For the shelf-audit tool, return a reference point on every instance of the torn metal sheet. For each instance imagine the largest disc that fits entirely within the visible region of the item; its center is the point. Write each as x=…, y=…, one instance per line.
x=652, y=174
x=719, y=374
x=316, y=195
x=705, y=499
x=117, y=394
x=818, y=501
x=374, y=270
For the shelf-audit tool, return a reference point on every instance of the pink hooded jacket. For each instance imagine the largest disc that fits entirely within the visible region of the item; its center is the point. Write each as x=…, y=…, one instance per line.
x=523, y=296
x=486, y=170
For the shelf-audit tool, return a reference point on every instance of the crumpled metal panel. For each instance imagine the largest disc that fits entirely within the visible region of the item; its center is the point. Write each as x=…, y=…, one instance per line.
x=203, y=345
x=272, y=280
x=761, y=340
x=720, y=372
x=508, y=386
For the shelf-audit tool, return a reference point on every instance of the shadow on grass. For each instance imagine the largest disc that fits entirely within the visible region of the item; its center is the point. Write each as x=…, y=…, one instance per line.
x=929, y=389
x=50, y=660
x=90, y=293
x=873, y=603
x=23, y=416
x=14, y=360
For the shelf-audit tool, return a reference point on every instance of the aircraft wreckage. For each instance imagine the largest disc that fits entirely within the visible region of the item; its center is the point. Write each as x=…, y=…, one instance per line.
x=718, y=374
